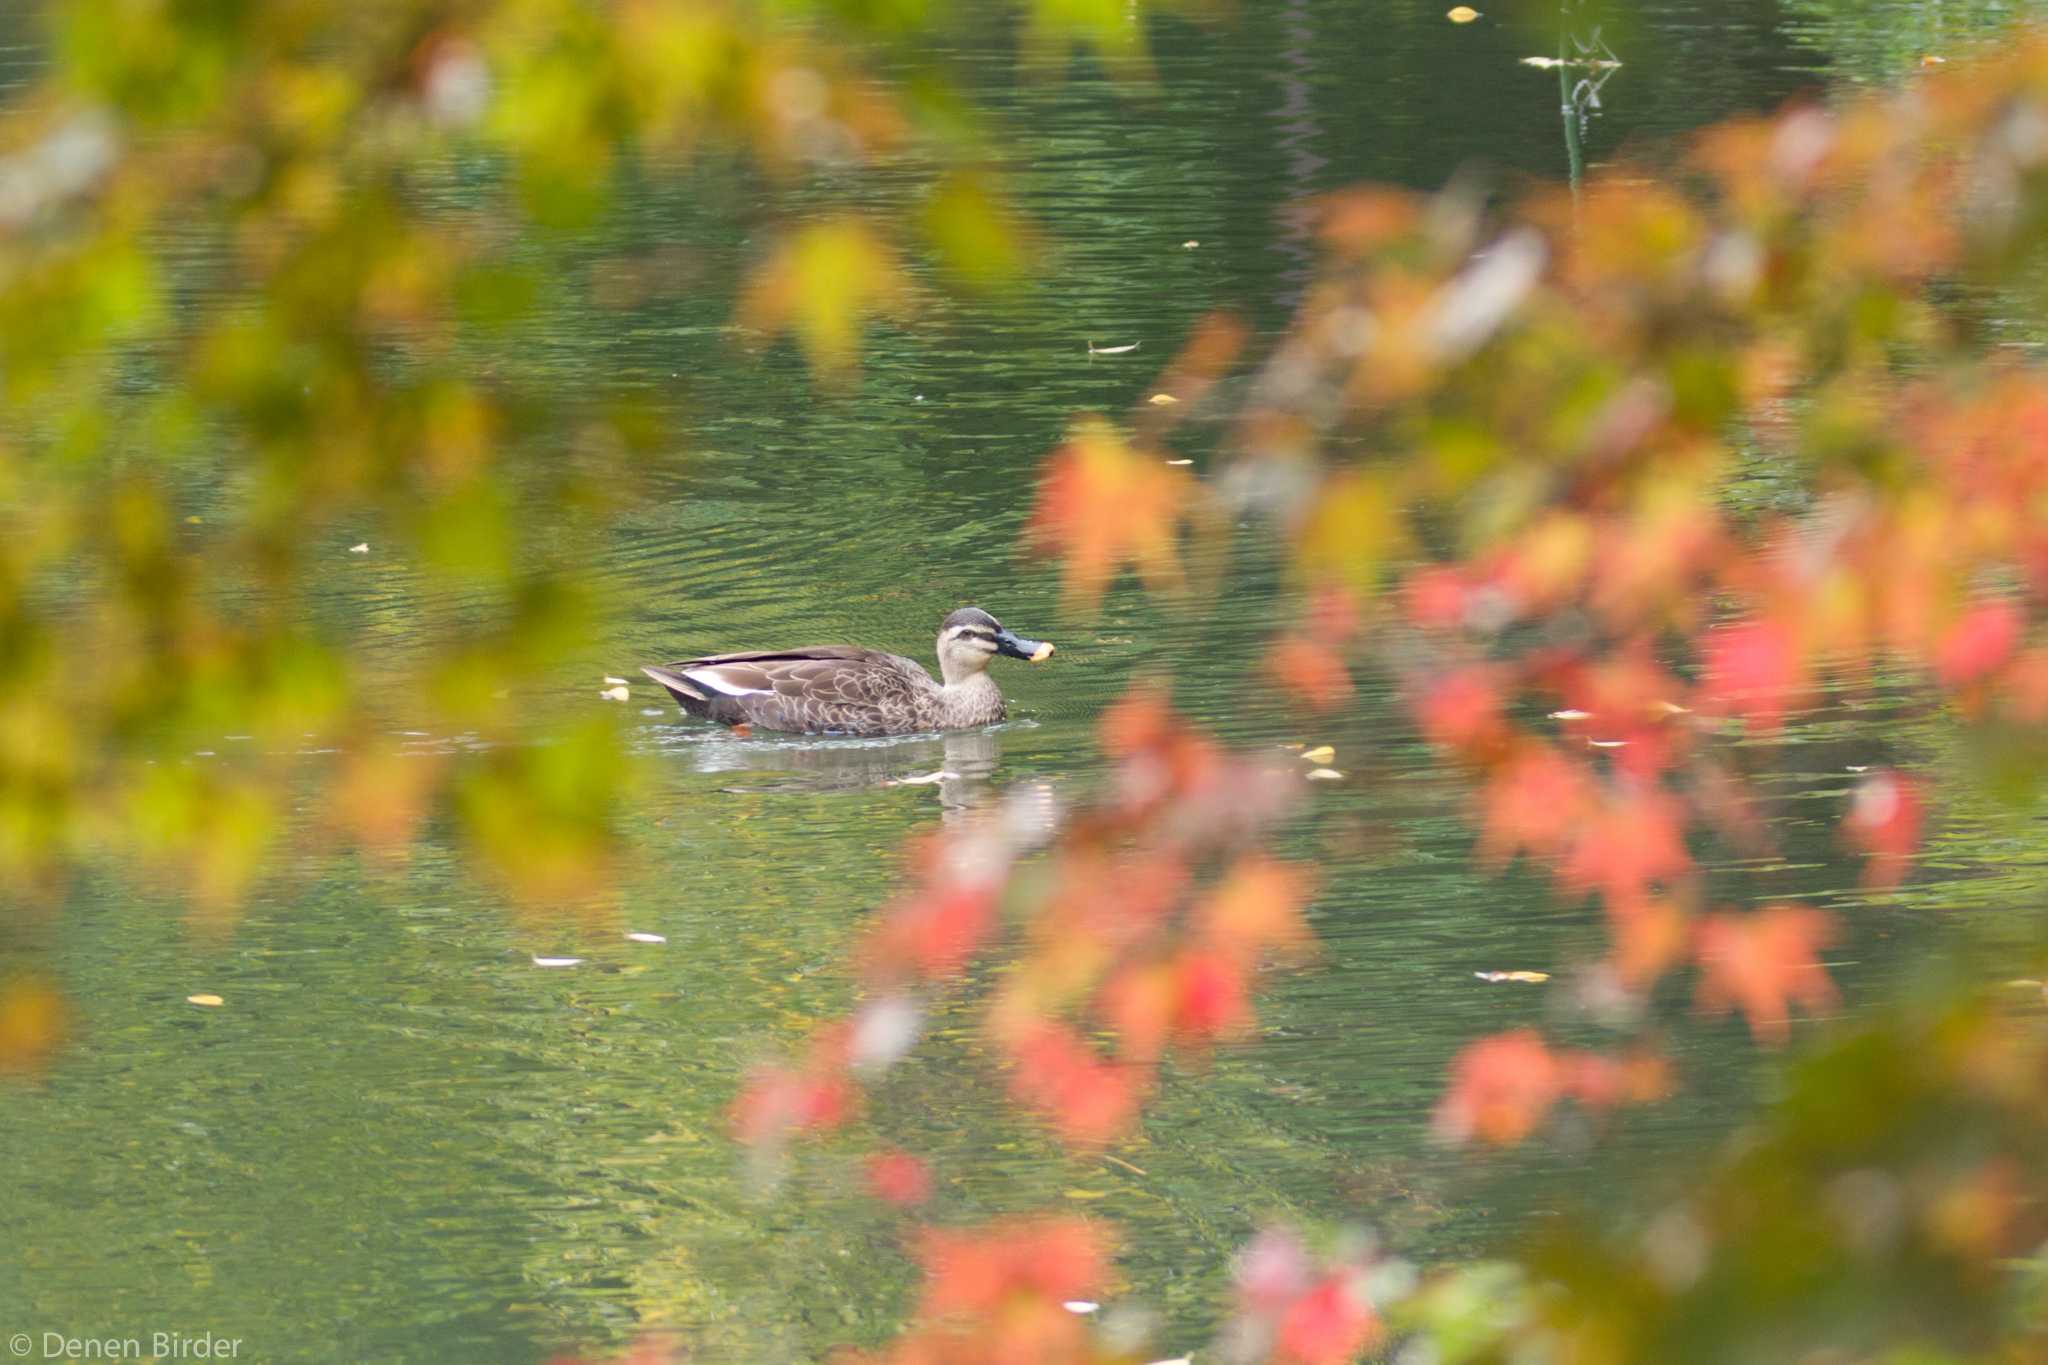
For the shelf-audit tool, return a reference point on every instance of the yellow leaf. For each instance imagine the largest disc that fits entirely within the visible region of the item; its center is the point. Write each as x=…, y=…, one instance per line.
x=1462, y=14
x=1160, y=400
x=821, y=285
x=1319, y=755
x=210, y=1001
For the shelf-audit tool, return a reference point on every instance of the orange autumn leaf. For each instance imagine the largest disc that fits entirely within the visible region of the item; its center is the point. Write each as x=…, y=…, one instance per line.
x=1309, y=670
x=32, y=1023
x=980, y=1270
x=1534, y=801
x=1501, y=1088
x=1630, y=844
x=1763, y=963
x=1103, y=505
x=1649, y=936
x=1461, y=712
x=1256, y=909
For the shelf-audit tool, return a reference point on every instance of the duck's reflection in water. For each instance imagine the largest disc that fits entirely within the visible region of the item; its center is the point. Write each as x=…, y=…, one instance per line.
x=959, y=763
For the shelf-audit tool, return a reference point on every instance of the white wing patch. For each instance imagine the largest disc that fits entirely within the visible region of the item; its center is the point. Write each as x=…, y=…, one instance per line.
x=710, y=678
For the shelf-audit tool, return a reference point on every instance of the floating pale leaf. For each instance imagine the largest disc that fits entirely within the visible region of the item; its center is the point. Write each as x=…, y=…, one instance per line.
x=361, y=549
x=1180, y=462
x=557, y=961
x=1530, y=977
x=1081, y=1306
x=639, y=937
x=610, y=681
x=1325, y=775
x=1189, y=245
x=1160, y=400
x=1571, y=715
x=211, y=1001
x=1462, y=14
x=619, y=693
x=1319, y=755
x=1093, y=349
x=923, y=780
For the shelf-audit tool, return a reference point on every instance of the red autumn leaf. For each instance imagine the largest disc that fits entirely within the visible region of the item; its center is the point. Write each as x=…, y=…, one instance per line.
x=1461, y=712
x=776, y=1103
x=1753, y=670
x=1328, y=1325
x=1501, y=1088
x=1885, y=817
x=1310, y=671
x=1982, y=640
x=897, y=1177
x=1085, y=1099
x=931, y=934
x=1436, y=597
x=1627, y=846
x=1535, y=801
x=1763, y=963
x=1209, y=996
x=1103, y=505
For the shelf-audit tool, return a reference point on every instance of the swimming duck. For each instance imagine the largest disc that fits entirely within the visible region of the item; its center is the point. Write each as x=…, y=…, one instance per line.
x=846, y=690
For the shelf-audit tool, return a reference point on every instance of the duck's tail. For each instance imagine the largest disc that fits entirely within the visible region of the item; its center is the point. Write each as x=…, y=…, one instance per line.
x=686, y=692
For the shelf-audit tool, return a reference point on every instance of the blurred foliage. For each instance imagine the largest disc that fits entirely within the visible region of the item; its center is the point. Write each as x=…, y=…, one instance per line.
x=1507, y=445
x=195, y=441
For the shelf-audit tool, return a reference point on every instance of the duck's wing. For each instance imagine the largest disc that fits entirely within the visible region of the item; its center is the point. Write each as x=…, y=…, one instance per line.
x=821, y=686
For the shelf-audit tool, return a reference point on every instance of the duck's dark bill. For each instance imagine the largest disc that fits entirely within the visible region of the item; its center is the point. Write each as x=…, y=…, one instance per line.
x=1017, y=647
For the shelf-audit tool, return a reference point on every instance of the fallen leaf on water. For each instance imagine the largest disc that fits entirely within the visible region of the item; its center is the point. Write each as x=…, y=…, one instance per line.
x=1189, y=245
x=940, y=776
x=1931, y=60
x=1462, y=14
x=1319, y=755
x=1160, y=400
x=619, y=693
x=1571, y=715
x=1081, y=1306
x=1531, y=977
x=208, y=1000
x=557, y=961
x=610, y=681
x=1093, y=349
x=1180, y=462
x=639, y=937
x=361, y=549
x=192, y=521
x=1325, y=775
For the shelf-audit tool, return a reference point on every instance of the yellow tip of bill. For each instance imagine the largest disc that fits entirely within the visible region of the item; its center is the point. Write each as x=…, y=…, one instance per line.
x=1042, y=653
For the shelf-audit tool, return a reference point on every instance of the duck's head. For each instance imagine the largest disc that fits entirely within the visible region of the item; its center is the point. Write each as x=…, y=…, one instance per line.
x=970, y=637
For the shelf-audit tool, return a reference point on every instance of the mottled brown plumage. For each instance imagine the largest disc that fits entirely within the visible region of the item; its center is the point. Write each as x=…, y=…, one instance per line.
x=842, y=689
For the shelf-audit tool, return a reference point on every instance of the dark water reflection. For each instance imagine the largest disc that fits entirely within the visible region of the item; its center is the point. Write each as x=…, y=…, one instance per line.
x=401, y=1139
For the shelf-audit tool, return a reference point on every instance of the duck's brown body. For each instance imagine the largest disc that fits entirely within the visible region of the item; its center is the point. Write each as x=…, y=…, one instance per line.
x=843, y=689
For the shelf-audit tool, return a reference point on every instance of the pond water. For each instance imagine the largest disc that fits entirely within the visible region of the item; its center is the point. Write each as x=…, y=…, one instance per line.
x=400, y=1140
